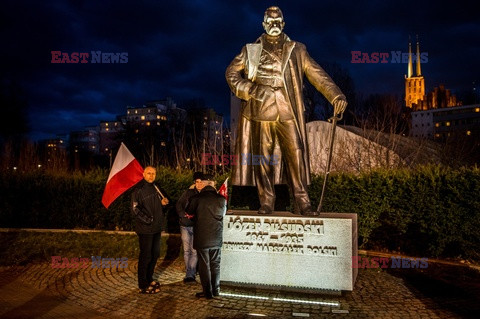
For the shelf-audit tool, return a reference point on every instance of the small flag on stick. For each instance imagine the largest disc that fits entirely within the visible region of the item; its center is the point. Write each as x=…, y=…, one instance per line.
x=126, y=172
x=223, y=190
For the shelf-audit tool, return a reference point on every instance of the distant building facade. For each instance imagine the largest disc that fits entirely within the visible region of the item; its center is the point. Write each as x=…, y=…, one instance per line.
x=441, y=123
x=109, y=136
x=159, y=132
x=86, y=140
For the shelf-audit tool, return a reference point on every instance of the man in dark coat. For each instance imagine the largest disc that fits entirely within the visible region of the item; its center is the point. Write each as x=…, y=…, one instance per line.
x=186, y=228
x=268, y=77
x=207, y=210
x=147, y=207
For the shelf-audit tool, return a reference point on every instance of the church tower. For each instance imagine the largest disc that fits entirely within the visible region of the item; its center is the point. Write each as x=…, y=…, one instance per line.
x=414, y=85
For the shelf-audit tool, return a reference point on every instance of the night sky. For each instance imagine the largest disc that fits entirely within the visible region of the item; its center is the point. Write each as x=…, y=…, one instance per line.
x=180, y=49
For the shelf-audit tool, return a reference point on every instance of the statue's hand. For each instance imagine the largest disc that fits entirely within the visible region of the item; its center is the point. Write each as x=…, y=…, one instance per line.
x=339, y=106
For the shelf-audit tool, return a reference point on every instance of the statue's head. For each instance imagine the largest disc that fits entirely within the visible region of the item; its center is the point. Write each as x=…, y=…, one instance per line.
x=273, y=21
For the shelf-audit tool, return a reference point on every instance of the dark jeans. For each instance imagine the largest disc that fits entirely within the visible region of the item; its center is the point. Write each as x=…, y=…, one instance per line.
x=149, y=253
x=209, y=269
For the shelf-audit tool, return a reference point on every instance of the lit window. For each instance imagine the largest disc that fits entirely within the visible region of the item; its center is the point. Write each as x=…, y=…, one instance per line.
x=477, y=109
x=136, y=111
x=148, y=123
x=143, y=117
x=162, y=143
x=447, y=123
x=106, y=129
x=158, y=117
x=469, y=133
x=437, y=124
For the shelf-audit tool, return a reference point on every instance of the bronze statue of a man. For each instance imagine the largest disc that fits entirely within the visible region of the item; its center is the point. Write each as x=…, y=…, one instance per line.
x=268, y=77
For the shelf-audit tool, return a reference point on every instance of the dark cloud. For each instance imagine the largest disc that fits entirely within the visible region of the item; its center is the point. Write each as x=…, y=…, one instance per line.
x=180, y=49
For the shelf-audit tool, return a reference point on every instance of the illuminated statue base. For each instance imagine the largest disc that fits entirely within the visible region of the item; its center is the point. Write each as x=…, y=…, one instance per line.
x=289, y=251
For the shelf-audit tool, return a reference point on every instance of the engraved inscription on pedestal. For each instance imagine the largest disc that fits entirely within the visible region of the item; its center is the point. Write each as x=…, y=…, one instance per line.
x=289, y=250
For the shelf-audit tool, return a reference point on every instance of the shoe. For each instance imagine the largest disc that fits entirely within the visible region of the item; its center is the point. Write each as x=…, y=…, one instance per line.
x=155, y=284
x=188, y=280
x=310, y=213
x=265, y=211
x=203, y=295
x=151, y=290
x=216, y=293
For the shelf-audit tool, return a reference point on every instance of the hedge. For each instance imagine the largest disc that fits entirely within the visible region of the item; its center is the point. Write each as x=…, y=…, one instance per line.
x=431, y=211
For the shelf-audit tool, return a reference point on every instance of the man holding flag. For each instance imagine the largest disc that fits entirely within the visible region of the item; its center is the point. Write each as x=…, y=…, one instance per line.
x=147, y=206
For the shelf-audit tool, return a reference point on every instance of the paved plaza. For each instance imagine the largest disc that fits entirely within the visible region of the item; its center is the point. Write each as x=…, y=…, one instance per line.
x=40, y=291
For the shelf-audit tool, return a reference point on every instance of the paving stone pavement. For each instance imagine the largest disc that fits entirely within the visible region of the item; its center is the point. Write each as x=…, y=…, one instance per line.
x=40, y=291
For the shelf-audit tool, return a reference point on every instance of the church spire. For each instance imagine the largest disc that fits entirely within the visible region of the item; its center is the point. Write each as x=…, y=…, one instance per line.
x=410, y=66
x=419, y=70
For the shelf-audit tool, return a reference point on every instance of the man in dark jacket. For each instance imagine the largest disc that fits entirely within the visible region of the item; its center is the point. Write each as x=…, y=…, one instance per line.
x=186, y=228
x=146, y=205
x=207, y=210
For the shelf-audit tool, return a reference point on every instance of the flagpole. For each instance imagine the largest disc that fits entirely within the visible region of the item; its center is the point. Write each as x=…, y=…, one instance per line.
x=159, y=192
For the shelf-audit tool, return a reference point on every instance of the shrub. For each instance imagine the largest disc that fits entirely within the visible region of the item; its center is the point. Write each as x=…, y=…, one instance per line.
x=427, y=211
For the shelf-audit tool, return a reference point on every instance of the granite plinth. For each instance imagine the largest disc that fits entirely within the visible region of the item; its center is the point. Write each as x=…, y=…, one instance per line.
x=289, y=251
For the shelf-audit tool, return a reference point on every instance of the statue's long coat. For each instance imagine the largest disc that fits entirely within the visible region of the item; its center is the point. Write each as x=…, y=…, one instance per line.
x=240, y=75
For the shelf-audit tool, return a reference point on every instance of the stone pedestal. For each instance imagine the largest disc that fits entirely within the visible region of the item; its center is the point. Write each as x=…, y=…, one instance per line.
x=289, y=251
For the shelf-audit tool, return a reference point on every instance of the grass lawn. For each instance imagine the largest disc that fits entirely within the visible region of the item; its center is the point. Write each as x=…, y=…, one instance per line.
x=23, y=247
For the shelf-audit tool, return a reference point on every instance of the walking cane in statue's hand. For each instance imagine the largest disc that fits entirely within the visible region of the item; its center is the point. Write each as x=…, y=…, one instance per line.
x=334, y=119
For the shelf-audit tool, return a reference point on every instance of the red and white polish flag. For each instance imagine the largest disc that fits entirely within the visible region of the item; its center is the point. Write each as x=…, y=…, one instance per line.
x=126, y=172
x=223, y=190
